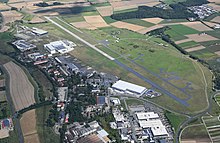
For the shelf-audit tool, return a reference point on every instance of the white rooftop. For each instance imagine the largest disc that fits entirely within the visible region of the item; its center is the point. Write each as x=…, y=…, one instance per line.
x=146, y=115
x=128, y=87
x=39, y=31
x=102, y=133
x=159, y=131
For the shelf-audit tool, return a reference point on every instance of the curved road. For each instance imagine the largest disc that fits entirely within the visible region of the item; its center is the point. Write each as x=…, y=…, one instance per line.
x=191, y=118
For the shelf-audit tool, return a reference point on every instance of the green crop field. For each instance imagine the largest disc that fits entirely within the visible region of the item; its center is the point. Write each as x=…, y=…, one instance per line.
x=172, y=1
x=189, y=44
x=109, y=20
x=139, y=22
x=178, y=32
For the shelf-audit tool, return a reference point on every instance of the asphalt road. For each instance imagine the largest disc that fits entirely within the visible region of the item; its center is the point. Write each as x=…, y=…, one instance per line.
x=191, y=118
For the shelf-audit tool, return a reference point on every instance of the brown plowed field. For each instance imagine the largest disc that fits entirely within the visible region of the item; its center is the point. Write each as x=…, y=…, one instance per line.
x=21, y=89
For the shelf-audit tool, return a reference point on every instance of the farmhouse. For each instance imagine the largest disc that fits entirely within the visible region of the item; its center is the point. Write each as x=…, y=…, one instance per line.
x=22, y=45
x=62, y=47
x=124, y=87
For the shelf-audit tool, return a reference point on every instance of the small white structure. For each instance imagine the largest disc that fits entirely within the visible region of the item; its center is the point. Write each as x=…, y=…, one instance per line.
x=124, y=87
x=115, y=101
x=146, y=115
x=38, y=31
x=62, y=47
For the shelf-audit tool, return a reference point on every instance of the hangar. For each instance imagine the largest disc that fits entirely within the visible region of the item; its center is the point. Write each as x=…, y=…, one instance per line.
x=128, y=88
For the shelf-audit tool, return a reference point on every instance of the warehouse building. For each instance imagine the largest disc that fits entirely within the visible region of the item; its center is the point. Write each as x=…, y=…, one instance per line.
x=124, y=87
x=23, y=45
x=62, y=47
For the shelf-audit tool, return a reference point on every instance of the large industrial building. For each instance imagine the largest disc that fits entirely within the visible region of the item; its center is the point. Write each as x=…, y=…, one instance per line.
x=62, y=47
x=152, y=120
x=124, y=87
x=23, y=45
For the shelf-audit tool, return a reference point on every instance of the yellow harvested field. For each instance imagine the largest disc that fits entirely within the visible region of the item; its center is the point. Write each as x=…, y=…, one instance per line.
x=195, y=48
x=132, y=27
x=2, y=83
x=36, y=20
x=25, y=4
x=3, y=6
x=201, y=140
x=215, y=6
x=151, y=4
x=83, y=25
x=21, y=89
x=182, y=41
x=4, y=133
x=217, y=53
x=96, y=21
x=201, y=37
x=216, y=19
x=105, y=10
x=211, y=24
x=153, y=20
x=145, y=30
x=215, y=1
x=197, y=26
x=11, y=16
x=28, y=127
x=32, y=139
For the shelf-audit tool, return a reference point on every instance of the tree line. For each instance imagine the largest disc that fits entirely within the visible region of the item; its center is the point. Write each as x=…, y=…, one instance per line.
x=177, y=11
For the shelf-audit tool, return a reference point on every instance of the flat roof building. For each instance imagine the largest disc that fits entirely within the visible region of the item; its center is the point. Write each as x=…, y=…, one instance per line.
x=147, y=115
x=62, y=47
x=129, y=88
x=38, y=31
x=23, y=45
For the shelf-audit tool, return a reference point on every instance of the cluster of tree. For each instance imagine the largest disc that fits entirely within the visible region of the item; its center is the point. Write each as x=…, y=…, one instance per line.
x=53, y=117
x=178, y=11
x=150, y=12
x=217, y=79
x=44, y=4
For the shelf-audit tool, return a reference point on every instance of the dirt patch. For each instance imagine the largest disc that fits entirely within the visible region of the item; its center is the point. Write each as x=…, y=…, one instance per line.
x=2, y=83
x=36, y=20
x=122, y=5
x=105, y=10
x=145, y=30
x=83, y=25
x=201, y=37
x=197, y=26
x=21, y=89
x=3, y=6
x=211, y=24
x=96, y=21
x=216, y=19
x=183, y=41
x=28, y=126
x=132, y=27
x=4, y=133
x=215, y=1
x=153, y=20
x=218, y=53
x=215, y=6
x=11, y=16
x=195, y=48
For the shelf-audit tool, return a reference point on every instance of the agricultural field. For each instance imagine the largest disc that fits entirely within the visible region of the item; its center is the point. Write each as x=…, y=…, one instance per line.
x=18, y=82
x=28, y=126
x=212, y=125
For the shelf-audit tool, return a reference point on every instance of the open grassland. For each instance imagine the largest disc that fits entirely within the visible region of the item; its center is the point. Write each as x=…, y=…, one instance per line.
x=134, y=50
x=18, y=82
x=28, y=126
x=196, y=133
